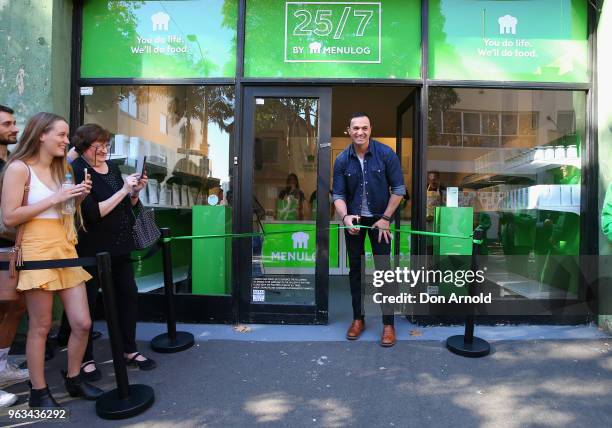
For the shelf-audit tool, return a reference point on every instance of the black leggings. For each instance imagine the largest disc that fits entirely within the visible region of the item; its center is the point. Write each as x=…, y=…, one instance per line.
x=126, y=294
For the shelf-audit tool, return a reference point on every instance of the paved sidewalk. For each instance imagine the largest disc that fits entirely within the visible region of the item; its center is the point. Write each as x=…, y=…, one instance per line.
x=230, y=383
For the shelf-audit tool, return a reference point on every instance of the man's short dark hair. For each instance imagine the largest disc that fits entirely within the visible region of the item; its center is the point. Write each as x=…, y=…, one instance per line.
x=6, y=109
x=358, y=114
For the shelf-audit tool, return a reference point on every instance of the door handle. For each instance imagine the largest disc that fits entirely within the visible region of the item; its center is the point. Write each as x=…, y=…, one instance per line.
x=323, y=145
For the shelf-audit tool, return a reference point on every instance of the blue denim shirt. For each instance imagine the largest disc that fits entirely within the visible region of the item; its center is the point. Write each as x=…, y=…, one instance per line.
x=383, y=176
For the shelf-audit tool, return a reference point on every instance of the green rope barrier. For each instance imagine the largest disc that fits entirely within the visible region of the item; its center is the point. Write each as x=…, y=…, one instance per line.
x=253, y=234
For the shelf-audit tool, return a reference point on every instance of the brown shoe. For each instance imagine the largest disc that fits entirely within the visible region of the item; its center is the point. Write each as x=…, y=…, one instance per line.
x=355, y=330
x=388, y=336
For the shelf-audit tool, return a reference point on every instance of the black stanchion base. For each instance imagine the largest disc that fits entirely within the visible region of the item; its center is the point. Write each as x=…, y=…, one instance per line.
x=111, y=406
x=163, y=344
x=478, y=348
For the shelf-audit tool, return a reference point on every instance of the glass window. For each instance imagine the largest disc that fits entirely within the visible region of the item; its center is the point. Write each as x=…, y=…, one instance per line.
x=471, y=123
x=159, y=39
x=519, y=182
x=533, y=40
x=188, y=163
x=333, y=39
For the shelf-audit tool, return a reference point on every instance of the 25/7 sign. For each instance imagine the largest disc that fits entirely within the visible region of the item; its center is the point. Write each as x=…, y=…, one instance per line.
x=333, y=32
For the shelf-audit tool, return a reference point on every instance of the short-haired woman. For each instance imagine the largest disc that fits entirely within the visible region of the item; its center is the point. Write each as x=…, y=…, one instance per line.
x=48, y=234
x=108, y=222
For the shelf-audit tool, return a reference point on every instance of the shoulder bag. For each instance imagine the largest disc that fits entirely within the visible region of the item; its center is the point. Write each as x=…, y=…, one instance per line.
x=145, y=230
x=12, y=255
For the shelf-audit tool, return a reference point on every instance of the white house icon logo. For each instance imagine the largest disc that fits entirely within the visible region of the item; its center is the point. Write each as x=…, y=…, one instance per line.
x=507, y=24
x=315, y=47
x=300, y=240
x=160, y=21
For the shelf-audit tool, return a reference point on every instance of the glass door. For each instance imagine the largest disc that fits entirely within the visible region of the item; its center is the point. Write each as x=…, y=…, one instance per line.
x=407, y=139
x=285, y=191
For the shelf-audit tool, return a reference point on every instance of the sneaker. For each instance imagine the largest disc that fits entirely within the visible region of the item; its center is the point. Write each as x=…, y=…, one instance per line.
x=12, y=375
x=7, y=399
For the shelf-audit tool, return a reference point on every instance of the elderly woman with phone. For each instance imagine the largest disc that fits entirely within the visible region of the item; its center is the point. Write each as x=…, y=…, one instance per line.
x=108, y=220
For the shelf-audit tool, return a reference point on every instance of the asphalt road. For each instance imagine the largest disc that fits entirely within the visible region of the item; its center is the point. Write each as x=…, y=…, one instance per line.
x=526, y=383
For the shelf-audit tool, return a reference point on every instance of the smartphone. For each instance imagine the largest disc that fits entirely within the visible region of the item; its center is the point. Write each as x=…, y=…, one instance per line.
x=87, y=176
x=141, y=164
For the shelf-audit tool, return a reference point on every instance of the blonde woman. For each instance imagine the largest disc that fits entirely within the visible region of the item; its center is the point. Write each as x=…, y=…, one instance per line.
x=48, y=234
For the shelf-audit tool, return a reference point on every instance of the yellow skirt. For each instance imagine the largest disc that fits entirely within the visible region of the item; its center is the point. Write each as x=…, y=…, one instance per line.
x=45, y=239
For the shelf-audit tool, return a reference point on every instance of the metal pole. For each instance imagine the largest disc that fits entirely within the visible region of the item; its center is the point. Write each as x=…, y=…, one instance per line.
x=110, y=310
x=469, y=322
x=172, y=341
x=467, y=345
x=126, y=400
x=168, y=284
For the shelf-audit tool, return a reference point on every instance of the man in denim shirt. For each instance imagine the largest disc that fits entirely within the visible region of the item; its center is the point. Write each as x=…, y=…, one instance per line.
x=368, y=187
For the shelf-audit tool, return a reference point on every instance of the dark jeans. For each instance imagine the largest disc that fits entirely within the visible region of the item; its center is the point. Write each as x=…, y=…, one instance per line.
x=126, y=294
x=355, y=245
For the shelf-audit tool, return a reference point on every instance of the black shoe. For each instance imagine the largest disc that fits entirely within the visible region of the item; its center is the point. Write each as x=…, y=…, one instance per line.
x=95, y=335
x=147, y=364
x=91, y=376
x=77, y=387
x=41, y=398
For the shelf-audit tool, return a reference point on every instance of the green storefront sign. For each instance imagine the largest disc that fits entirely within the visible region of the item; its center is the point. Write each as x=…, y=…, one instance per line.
x=333, y=39
x=297, y=247
x=530, y=40
x=333, y=32
x=159, y=39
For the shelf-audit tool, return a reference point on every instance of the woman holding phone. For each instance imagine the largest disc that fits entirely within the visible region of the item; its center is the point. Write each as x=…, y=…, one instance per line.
x=108, y=222
x=48, y=233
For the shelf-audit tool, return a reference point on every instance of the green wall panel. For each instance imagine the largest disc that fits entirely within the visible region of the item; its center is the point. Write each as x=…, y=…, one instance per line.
x=356, y=39
x=529, y=40
x=159, y=39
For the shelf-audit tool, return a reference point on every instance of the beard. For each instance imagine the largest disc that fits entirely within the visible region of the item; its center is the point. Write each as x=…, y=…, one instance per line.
x=4, y=142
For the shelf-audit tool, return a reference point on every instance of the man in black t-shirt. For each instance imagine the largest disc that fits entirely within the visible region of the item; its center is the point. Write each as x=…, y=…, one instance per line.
x=11, y=312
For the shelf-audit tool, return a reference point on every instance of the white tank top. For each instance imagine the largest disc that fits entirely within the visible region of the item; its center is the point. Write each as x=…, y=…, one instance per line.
x=38, y=192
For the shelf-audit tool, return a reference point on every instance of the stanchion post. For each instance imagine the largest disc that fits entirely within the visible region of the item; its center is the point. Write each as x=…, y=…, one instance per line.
x=468, y=345
x=168, y=284
x=126, y=400
x=110, y=310
x=172, y=341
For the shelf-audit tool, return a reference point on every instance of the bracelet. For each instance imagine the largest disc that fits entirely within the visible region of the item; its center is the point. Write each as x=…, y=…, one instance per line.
x=386, y=217
x=344, y=217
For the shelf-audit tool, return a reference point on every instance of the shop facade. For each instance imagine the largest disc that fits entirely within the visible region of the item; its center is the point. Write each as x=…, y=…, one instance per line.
x=241, y=107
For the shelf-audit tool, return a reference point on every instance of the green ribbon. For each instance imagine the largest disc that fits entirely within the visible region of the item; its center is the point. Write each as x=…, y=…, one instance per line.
x=282, y=232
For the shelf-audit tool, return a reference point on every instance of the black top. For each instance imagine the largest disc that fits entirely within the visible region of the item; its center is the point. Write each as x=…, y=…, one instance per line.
x=113, y=232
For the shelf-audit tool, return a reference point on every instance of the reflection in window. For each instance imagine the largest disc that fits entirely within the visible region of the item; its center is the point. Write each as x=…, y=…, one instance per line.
x=188, y=164
x=518, y=174
x=285, y=200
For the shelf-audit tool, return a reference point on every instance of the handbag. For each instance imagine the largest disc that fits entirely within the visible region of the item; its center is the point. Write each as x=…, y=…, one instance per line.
x=145, y=230
x=12, y=255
